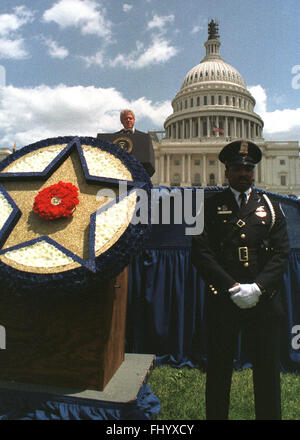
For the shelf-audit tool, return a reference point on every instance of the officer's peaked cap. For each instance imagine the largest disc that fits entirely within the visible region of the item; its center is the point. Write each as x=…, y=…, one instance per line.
x=241, y=153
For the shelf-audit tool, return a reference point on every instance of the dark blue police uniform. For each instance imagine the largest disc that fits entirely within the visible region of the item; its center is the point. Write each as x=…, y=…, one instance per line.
x=242, y=245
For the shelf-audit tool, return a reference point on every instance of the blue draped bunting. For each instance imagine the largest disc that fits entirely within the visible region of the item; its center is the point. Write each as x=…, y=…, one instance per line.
x=20, y=405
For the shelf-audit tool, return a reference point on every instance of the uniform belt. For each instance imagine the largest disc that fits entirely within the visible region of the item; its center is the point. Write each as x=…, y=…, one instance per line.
x=242, y=253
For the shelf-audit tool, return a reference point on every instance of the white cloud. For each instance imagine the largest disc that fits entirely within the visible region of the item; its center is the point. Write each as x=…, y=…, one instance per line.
x=196, y=29
x=12, y=48
x=278, y=124
x=31, y=114
x=11, y=43
x=56, y=51
x=200, y=26
x=97, y=59
x=160, y=21
x=10, y=23
x=87, y=15
x=127, y=7
x=159, y=51
x=260, y=96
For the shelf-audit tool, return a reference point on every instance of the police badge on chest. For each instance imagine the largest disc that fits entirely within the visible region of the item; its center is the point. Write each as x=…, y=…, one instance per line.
x=261, y=212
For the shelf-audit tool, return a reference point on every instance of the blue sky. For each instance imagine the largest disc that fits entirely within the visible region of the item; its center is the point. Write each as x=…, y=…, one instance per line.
x=71, y=65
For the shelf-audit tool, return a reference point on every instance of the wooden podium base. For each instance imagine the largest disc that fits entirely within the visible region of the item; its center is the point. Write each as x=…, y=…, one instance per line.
x=77, y=342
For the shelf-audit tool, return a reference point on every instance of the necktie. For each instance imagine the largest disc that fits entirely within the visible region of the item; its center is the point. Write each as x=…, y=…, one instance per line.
x=126, y=131
x=243, y=199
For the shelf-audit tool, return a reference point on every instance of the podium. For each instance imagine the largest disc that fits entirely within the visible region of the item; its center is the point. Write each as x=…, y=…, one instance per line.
x=76, y=343
x=138, y=144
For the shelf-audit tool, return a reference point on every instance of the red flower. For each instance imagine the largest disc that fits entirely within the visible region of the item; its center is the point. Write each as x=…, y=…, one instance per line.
x=56, y=201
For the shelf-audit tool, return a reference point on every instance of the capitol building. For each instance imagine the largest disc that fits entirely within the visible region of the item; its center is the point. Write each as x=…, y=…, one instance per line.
x=212, y=108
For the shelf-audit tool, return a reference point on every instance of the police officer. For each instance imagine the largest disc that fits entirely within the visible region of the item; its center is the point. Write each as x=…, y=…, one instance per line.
x=241, y=255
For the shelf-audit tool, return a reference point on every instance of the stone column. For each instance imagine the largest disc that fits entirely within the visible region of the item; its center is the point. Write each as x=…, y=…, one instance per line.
x=219, y=181
x=269, y=171
x=217, y=124
x=189, y=181
x=234, y=127
x=162, y=170
x=204, y=179
x=208, y=126
x=274, y=170
x=191, y=128
x=199, y=127
x=293, y=163
x=183, y=170
x=168, y=170
x=226, y=127
x=263, y=169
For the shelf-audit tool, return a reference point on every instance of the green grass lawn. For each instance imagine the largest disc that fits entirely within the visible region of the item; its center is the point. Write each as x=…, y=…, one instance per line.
x=182, y=394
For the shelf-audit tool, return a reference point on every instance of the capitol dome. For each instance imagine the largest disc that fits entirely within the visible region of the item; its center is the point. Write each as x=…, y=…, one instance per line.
x=215, y=70
x=213, y=101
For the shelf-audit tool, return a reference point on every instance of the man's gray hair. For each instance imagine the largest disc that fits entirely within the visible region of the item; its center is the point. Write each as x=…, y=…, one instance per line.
x=125, y=112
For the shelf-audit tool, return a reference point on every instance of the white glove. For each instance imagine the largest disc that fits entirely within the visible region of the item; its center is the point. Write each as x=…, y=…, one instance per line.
x=245, y=296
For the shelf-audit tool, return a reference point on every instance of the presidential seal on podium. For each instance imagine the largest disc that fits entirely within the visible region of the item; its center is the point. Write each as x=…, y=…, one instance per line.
x=125, y=143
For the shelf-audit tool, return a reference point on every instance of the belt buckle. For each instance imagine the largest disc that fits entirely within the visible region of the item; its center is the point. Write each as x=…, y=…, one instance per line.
x=243, y=253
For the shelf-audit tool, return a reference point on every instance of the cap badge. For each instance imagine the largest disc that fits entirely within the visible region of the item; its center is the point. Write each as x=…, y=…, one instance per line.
x=244, y=148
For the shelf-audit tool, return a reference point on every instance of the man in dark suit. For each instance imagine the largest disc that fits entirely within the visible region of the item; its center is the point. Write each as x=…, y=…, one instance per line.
x=135, y=142
x=142, y=145
x=241, y=255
